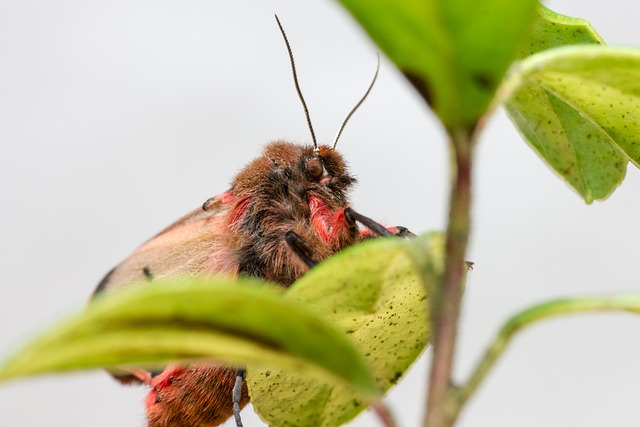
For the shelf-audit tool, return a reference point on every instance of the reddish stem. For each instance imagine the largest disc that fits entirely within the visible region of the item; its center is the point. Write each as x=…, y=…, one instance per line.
x=441, y=408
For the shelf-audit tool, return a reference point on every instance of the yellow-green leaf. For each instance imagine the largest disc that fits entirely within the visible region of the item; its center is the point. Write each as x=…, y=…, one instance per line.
x=551, y=29
x=215, y=319
x=579, y=108
x=375, y=293
x=570, y=143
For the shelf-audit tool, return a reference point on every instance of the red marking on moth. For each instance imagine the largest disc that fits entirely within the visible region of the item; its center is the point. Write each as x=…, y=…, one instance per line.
x=227, y=198
x=340, y=228
x=321, y=217
x=194, y=395
x=239, y=208
x=329, y=224
x=157, y=384
x=160, y=382
x=368, y=233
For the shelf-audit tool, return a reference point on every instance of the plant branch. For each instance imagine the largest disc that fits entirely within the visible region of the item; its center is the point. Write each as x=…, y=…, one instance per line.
x=384, y=414
x=629, y=303
x=445, y=309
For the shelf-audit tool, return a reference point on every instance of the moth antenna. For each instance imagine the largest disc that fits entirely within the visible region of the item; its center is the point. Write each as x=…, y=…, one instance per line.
x=316, y=150
x=353, y=110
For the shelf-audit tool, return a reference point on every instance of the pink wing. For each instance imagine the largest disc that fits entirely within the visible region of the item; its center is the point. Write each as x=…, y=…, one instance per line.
x=194, y=244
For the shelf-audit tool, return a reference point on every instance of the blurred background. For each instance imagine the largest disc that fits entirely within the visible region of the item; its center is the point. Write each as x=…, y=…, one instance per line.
x=117, y=117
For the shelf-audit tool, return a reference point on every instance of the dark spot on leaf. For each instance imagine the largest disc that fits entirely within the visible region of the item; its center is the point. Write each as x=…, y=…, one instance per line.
x=484, y=81
x=420, y=84
x=147, y=273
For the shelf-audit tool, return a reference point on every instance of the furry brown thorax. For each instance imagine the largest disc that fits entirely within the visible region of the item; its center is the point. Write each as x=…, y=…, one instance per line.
x=290, y=188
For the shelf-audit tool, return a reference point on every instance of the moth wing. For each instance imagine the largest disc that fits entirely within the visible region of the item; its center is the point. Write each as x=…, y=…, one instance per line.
x=194, y=244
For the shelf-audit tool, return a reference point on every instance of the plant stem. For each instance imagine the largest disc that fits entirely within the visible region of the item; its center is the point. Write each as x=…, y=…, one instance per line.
x=445, y=309
x=384, y=414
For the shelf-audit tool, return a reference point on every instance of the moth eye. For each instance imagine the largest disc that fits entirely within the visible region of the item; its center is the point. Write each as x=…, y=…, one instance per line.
x=315, y=168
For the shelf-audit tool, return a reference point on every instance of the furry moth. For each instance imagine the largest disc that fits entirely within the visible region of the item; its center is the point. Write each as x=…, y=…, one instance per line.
x=285, y=211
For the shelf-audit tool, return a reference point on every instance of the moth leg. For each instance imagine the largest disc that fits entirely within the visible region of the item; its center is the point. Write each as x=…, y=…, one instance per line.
x=403, y=232
x=353, y=217
x=237, y=395
x=142, y=375
x=297, y=245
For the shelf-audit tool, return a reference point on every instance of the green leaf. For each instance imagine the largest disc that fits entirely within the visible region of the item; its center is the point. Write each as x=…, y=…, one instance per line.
x=455, y=52
x=626, y=303
x=579, y=108
x=219, y=319
x=551, y=29
x=621, y=303
x=571, y=144
x=374, y=292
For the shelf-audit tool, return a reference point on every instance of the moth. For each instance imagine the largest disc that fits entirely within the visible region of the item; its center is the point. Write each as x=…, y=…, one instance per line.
x=285, y=211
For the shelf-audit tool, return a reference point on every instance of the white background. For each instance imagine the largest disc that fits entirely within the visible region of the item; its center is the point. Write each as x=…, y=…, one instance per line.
x=117, y=117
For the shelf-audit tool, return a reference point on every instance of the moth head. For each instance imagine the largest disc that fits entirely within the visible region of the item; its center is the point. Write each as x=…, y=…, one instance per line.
x=327, y=175
x=286, y=169
x=291, y=170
